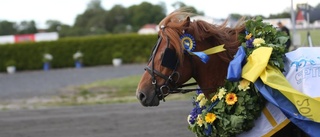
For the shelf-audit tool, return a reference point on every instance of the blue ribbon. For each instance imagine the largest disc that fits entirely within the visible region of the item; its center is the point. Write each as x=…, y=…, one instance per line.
x=288, y=109
x=273, y=96
x=213, y=104
x=203, y=56
x=235, y=66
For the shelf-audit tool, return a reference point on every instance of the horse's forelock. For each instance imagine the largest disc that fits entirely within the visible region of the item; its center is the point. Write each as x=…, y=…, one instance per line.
x=174, y=25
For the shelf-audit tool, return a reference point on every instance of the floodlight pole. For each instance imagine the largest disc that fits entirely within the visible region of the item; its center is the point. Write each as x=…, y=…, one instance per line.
x=293, y=20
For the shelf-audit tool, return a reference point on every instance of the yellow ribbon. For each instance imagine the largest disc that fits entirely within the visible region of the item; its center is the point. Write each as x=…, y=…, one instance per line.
x=212, y=50
x=215, y=49
x=257, y=66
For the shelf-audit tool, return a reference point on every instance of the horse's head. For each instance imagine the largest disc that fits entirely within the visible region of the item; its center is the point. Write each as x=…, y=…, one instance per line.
x=166, y=64
x=171, y=64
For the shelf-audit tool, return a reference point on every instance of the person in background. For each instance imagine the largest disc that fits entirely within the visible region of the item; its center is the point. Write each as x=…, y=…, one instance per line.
x=287, y=31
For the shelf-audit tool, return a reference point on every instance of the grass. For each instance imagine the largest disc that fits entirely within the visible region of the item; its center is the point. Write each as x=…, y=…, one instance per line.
x=124, y=87
x=118, y=90
x=118, y=87
x=315, y=36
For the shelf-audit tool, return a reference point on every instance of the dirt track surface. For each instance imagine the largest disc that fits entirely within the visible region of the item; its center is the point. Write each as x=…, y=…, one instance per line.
x=114, y=120
x=28, y=84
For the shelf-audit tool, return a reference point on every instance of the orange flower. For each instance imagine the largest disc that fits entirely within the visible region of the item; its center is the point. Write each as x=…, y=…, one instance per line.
x=210, y=117
x=231, y=98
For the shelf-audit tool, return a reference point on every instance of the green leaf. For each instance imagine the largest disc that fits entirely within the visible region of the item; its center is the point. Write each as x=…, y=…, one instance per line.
x=283, y=39
x=236, y=121
x=239, y=110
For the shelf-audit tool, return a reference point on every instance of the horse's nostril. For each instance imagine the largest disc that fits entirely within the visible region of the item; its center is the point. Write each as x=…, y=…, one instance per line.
x=142, y=96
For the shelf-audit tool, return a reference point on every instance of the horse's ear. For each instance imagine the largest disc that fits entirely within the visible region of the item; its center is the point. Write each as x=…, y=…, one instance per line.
x=187, y=22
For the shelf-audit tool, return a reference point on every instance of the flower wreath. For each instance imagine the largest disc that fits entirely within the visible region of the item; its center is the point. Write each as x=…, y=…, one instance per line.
x=234, y=107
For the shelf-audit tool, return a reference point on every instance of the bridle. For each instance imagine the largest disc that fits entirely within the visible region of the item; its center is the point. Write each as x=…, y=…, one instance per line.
x=170, y=61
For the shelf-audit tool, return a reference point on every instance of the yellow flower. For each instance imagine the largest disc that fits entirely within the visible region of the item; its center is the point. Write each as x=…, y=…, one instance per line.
x=199, y=121
x=210, y=117
x=222, y=92
x=231, y=98
x=200, y=97
x=214, y=98
x=244, y=85
x=202, y=102
x=248, y=36
x=258, y=41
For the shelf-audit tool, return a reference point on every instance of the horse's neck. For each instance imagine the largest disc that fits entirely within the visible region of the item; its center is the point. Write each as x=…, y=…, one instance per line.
x=210, y=75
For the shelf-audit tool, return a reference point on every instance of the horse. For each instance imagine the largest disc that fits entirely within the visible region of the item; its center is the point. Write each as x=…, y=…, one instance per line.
x=170, y=65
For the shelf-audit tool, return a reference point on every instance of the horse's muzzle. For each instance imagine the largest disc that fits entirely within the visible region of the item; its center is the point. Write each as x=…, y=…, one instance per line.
x=148, y=101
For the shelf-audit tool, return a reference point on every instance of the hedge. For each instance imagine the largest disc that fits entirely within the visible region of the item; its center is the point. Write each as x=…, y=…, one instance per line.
x=97, y=50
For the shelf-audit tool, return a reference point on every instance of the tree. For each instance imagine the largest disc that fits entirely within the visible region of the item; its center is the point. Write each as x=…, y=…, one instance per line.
x=93, y=19
x=144, y=13
x=116, y=19
x=53, y=25
x=27, y=27
x=235, y=16
x=179, y=4
x=280, y=15
x=94, y=4
x=163, y=7
x=67, y=31
x=7, y=28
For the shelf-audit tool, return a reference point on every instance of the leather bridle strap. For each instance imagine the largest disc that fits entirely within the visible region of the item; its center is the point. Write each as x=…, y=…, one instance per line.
x=153, y=71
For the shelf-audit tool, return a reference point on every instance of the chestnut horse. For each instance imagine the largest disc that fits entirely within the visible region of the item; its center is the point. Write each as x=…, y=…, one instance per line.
x=170, y=65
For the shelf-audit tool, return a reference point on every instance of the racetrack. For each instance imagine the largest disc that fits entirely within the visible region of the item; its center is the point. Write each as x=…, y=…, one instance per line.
x=112, y=120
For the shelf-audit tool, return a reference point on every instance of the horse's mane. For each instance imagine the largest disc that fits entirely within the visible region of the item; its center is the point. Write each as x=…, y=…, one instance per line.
x=175, y=25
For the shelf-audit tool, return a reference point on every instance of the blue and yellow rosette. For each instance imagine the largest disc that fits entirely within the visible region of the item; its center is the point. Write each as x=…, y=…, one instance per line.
x=189, y=44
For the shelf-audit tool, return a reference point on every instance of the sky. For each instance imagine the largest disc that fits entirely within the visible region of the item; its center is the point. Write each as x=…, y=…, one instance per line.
x=67, y=10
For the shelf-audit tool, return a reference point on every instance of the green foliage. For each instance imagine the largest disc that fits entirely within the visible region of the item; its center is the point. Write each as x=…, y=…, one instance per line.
x=54, y=25
x=272, y=38
x=7, y=28
x=229, y=119
x=117, y=54
x=191, y=9
x=27, y=27
x=11, y=28
x=280, y=15
x=144, y=13
x=96, y=20
x=97, y=50
x=10, y=62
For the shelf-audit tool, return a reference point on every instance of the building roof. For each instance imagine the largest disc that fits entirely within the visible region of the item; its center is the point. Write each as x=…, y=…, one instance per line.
x=149, y=29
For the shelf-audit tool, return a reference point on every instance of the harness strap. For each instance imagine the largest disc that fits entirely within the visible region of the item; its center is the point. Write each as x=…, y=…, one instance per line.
x=151, y=71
